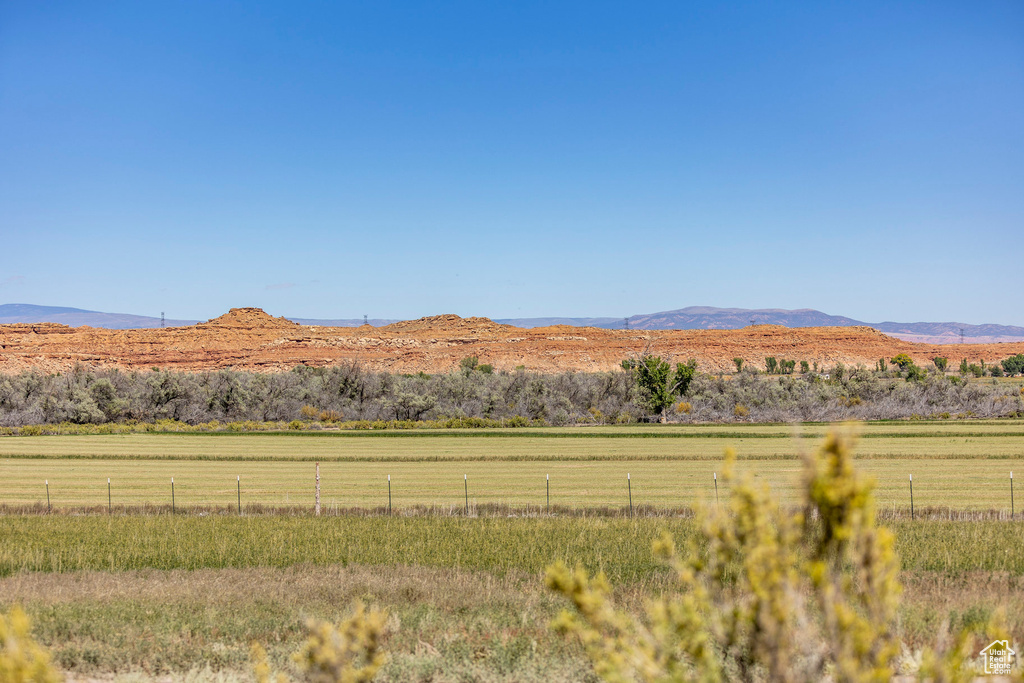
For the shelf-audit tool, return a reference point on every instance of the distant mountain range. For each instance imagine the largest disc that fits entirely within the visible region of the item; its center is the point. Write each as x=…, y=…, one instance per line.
x=76, y=317
x=710, y=318
x=693, y=317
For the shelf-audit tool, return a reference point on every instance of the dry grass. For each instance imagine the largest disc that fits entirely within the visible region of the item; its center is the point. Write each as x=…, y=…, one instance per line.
x=446, y=624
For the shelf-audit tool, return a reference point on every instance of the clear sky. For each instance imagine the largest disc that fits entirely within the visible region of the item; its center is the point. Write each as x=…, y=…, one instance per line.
x=330, y=159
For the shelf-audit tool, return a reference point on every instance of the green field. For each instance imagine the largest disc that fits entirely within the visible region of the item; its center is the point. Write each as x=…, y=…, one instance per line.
x=963, y=465
x=157, y=595
x=144, y=595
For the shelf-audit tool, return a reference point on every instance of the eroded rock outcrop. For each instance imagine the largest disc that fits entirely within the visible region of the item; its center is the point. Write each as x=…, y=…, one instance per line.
x=250, y=339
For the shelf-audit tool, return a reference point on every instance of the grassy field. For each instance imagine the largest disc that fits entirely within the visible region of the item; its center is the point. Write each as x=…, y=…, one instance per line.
x=964, y=465
x=150, y=594
x=157, y=594
x=619, y=547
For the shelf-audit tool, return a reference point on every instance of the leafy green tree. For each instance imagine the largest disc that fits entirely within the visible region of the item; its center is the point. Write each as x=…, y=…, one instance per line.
x=771, y=364
x=651, y=374
x=469, y=363
x=902, y=361
x=964, y=367
x=685, y=372
x=739, y=364
x=1014, y=365
x=940, y=363
x=915, y=374
x=804, y=367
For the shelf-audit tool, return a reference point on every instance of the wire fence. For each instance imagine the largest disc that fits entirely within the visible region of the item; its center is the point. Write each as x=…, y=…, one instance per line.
x=476, y=497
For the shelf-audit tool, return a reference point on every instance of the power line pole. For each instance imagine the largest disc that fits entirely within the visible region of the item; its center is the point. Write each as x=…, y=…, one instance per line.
x=161, y=318
x=961, y=335
x=626, y=321
x=366, y=320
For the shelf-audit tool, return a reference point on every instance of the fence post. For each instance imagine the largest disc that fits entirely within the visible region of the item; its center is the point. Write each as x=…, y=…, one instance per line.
x=238, y=480
x=465, y=481
x=389, y=494
x=318, y=488
x=108, y=495
x=48, y=492
x=547, y=486
x=715, y=475
x=1011, y=494
x=911, y=497
x=172, y=495
x=629, y=485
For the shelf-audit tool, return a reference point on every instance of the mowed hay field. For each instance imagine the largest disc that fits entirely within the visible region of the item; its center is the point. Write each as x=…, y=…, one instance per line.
x=958, y=465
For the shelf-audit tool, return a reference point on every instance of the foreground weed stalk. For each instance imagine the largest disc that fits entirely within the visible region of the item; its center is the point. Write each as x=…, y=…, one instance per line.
x=766, y=594
x=22, y=660
x=349, y=652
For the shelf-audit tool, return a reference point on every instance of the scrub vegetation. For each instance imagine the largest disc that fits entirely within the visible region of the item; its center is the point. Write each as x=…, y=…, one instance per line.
x=646, y=388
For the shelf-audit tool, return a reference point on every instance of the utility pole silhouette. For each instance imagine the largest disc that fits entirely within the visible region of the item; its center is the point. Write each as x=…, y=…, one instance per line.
x=961, y=335
x=626, y=321
x=366, y=320
x=161, y=318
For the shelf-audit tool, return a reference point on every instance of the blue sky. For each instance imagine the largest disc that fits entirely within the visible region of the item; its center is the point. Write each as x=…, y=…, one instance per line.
x=324, y=159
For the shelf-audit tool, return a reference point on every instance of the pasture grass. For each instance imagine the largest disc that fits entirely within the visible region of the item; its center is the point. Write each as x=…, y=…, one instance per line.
x=619, y=547
x=158, y=595
x=149, y=594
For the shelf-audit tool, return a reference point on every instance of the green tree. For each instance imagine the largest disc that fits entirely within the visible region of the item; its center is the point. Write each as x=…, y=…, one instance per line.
x=651, y=375
x=964, y=367
x=804, y=367
x=940, y=363
x=685, y=372
x=739, y=364
x=902, y=361
x=1014, y=365
x=915, y=374
x=771, y=364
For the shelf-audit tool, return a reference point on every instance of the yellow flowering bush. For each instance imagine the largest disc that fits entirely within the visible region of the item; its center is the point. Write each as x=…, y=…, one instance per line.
x=22, y=659
x=765, y=594
x=349, y=652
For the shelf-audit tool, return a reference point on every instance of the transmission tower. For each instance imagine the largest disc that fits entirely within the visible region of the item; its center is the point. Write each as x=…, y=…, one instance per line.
x=161, y=318
x=961, y=335
x=366, y=320
x=626, y=321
